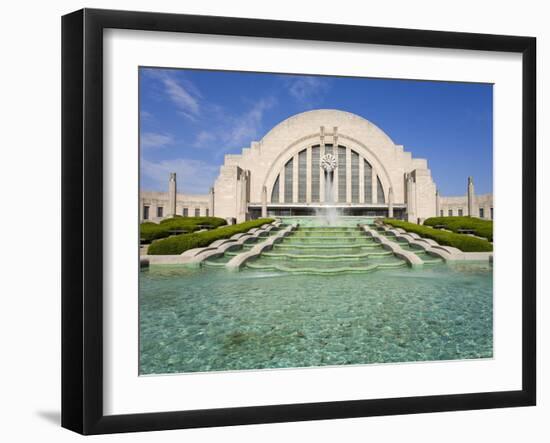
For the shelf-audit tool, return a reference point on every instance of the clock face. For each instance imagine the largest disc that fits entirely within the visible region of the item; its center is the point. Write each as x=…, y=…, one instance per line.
x=328, y=162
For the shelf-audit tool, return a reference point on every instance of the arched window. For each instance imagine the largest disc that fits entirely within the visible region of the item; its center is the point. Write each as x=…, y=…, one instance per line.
x=342, y=197
x=354, y=177
x=302, y=176
x=297, y=174
x=275, y=191
x=381, y=198
x=289, y=182
x=368, y=182
x=315, y=173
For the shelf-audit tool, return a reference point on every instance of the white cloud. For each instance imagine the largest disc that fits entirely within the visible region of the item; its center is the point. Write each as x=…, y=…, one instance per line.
x=246, y=127
x=307, y=90
x=145, y=115
x=154, y=140
x=193, y=176
x=203, y=138
x=187, y=103
x=182, y=92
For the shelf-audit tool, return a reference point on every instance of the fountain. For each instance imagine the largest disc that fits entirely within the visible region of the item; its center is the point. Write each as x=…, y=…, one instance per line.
x=330, y=213
x=330, y=245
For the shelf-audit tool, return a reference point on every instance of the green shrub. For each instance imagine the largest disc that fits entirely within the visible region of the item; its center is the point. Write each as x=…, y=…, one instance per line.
x=465, y=243
x=181, y=243
x=481, y=228
x=179, y=220
x=153, y=231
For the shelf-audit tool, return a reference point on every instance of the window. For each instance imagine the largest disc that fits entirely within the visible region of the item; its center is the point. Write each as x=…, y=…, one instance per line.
x=146, y=213
x=450, y=212
x=275, y=191
x=315, y=172
x=302, y=176
x=197, y=212
x=368, y=182
x=185, y=212
x=289, y=182
x=441, y=213
x=481, y=213
x=491, y=213
x=342, y=198
x=160, y=211
x=460, y=213
x=380, y=196
x=354, y=177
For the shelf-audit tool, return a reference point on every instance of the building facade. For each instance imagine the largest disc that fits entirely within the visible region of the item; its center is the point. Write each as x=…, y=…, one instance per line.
x=155, y=206
x=314, y=160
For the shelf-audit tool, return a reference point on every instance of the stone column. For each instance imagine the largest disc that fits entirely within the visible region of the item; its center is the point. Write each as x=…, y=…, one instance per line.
x=211, y=203
x=172, y=193
x=437, y=204
x=321, y=171
x=471, y=197
x=243, y=206
x=264, y=202
x=390, y=202
x=411, y=197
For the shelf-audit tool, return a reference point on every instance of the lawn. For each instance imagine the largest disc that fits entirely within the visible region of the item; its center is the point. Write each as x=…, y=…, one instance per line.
x=465, y=243
x=149, y=231
x=481, y=227
x=178, y=244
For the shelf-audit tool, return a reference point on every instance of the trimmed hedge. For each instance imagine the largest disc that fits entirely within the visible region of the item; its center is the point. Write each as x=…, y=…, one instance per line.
x=482, y=228
x=465, y=243
x=181, y=243
x=151, y=231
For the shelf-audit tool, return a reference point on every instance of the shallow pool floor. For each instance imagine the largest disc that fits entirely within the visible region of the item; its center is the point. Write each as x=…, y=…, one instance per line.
x=214, y=320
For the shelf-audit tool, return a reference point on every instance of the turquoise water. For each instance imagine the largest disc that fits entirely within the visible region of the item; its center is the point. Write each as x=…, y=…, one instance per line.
x=209, y=319
x=326, y=250
x=314, y=221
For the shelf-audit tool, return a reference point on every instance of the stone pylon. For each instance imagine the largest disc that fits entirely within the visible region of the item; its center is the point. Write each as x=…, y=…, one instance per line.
x=172, y=194
x=211, y=202
x=471, y=196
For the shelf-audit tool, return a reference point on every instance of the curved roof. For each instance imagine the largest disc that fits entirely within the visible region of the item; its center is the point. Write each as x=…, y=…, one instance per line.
x=347, y=123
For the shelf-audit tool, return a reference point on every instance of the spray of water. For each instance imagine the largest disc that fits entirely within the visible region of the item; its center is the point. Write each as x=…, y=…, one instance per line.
x=329, y=215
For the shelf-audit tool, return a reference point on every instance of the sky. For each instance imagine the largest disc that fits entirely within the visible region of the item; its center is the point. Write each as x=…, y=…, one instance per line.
x=189, y=119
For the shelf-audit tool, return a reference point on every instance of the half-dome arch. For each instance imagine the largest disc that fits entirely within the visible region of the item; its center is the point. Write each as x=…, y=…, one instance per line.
x=285, y=167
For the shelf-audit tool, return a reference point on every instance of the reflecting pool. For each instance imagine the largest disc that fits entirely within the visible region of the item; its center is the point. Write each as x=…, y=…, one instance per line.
x=209, y=319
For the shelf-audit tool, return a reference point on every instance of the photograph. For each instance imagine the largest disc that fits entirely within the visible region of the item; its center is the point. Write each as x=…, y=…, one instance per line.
x=293, y=221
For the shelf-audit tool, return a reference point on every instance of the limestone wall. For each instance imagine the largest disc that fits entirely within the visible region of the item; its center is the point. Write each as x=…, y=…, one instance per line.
x=155, y=200
x=265, y=159
x=460, y=203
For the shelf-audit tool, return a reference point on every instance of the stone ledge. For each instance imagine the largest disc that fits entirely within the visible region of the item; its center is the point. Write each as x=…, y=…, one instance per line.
x=238, y=261
x=410, y=257
x=447, y=253
x=194, y=257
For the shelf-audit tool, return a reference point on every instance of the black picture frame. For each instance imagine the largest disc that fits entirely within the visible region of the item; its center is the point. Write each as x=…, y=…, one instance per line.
x=82, y=218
